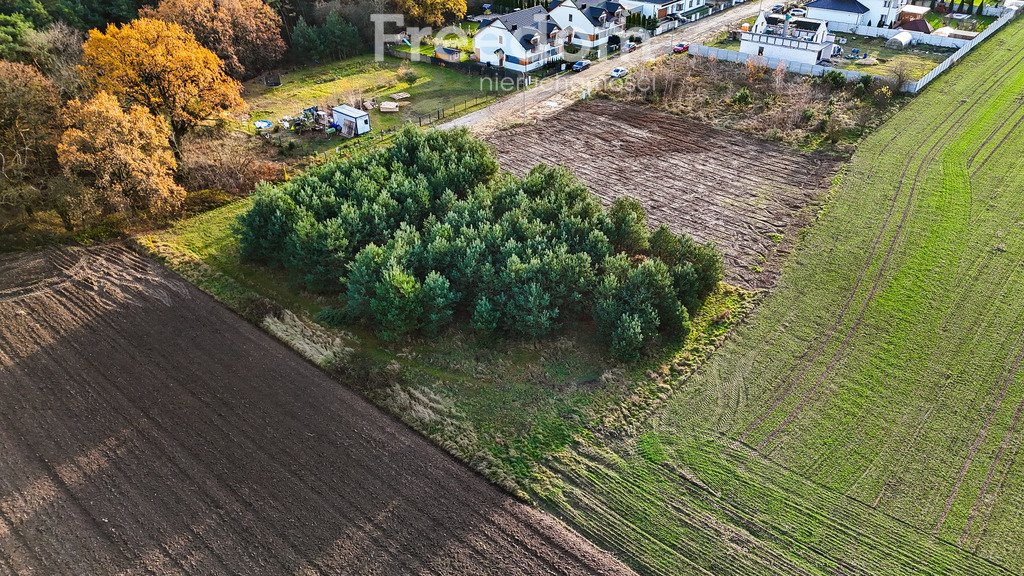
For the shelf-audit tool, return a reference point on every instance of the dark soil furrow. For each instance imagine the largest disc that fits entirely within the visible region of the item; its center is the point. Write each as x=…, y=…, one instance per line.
x=743, y=194
x=236, y=456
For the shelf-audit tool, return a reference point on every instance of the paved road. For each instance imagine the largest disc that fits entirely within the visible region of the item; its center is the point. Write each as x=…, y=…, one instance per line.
x=556, y=93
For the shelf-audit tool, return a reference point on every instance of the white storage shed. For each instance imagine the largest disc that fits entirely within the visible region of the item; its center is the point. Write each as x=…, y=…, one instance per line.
x=350, y=121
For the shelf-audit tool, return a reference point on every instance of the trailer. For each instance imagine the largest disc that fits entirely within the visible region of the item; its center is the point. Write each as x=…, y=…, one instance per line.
x=350, y=121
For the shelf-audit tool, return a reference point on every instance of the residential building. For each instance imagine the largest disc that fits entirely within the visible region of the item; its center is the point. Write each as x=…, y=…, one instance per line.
x=662, y=8
x=588, y=24
x=801, y=40
x=522, y=41
x=879, y=13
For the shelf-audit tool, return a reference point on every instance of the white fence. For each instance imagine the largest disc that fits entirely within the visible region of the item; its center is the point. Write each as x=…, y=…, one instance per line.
x=915, y=87
x=795, y=67
x=666, y=26
x=919, y=37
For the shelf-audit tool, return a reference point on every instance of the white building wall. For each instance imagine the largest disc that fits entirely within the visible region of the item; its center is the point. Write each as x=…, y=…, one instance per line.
x=585, y=33
x=877, y=9
x=787, y=53
x=652, y=9
x=837, y=16
x=490, y=39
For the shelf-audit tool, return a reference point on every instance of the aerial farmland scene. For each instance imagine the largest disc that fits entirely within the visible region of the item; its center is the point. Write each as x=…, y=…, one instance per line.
x=512, y=287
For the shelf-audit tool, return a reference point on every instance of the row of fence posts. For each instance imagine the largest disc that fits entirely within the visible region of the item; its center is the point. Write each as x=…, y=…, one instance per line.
x=441, y=113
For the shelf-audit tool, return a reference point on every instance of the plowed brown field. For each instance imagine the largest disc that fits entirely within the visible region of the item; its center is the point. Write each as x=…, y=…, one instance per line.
x=744, y=194
x=146, y=429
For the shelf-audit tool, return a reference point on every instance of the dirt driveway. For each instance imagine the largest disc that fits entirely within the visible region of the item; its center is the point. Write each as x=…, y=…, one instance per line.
x=147, y=430
x=554, y=94
x=744, y=194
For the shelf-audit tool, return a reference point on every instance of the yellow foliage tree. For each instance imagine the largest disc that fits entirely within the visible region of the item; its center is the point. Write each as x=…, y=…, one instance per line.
x=28, y=134
x=121, y=158
x=162, y=67
x=432, y=12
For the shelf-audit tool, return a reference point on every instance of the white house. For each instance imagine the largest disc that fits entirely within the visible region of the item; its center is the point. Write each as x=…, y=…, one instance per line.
x=801, y=40
x=522, y=41
x=662, y=8
x=880, y=13
x=588, y=24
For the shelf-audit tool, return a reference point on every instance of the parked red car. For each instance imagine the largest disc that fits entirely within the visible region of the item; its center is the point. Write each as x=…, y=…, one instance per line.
x=681, y=48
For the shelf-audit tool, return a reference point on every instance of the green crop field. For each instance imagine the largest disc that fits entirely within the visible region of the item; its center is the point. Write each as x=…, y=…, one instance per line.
x=867, y=419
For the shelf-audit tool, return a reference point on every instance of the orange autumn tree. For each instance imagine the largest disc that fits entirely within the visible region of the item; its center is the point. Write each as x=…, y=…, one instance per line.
x=121, y=158
x=160, y=66
x=245, y=34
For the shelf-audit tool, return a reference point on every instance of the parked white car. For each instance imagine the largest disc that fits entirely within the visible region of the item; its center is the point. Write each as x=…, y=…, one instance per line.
x=619, y=73
x=798, y=12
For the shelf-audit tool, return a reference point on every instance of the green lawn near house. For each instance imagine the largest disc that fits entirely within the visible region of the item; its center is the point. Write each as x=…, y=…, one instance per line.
x=462, y=41
x=916, y=61
x=432, y=88
x=975, y=22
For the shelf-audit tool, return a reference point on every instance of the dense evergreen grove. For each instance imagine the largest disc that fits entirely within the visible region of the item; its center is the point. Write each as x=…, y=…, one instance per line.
x=426, y=231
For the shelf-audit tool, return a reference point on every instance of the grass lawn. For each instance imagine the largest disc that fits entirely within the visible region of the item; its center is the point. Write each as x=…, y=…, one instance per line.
x=976, y=22
x=503, y=406
x=464, y=43
x=867, y=419
x=431, y=88
x=919, y=60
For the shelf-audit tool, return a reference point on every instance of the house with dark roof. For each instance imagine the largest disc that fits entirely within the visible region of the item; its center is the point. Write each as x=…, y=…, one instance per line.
x=588, y=24
x=880, y=13
x=803, y=40
x=662, y=9
x=523, y=40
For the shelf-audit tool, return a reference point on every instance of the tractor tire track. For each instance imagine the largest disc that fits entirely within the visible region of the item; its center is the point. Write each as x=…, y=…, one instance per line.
x=1004, y=445
x=980, y=438
x=805, y=361
x=840, y=353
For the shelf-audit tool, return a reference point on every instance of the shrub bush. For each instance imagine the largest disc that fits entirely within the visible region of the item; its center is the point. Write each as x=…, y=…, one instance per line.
x=834, y=79
x=264, y=229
